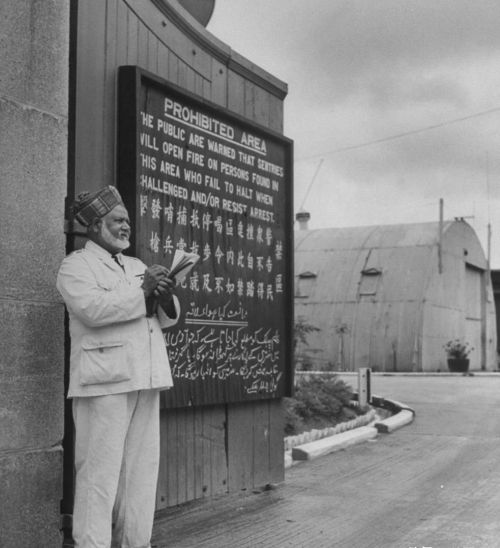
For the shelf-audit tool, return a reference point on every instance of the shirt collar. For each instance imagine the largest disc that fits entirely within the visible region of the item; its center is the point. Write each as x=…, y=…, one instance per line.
x=96, y=249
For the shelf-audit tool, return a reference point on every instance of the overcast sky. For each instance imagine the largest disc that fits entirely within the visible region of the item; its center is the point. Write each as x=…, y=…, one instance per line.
x=397, y=102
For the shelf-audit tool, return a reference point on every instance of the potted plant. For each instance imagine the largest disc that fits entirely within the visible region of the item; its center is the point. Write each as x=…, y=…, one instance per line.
x=458, y=353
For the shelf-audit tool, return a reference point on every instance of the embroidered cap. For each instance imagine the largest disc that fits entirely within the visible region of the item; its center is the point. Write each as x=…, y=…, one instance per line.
x=89, y=205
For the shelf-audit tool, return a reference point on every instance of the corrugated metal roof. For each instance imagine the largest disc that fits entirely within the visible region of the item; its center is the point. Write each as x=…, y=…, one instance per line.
x=363, y=237
x=340, y=256
x=375, y=281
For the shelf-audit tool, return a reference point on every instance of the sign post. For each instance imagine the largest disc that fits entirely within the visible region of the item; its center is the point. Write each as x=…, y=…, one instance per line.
x=364, y=387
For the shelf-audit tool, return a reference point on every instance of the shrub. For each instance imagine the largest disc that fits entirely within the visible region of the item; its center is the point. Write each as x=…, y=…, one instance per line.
x=458, y=349
x=302, y=359
x=318, y=402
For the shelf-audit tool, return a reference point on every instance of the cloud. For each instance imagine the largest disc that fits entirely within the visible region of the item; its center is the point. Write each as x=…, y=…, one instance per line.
x=362, y=44
x=361, y=71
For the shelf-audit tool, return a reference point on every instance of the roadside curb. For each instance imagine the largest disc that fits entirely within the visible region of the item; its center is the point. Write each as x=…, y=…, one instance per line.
x=399, y=420
x=324, y=446
x=402, y=415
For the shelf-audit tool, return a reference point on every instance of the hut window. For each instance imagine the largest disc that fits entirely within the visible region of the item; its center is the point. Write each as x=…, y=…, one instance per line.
x=304, y=284
x=369, y=281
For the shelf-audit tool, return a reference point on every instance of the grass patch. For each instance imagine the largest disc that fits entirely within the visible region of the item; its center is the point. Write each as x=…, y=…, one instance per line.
x=318, y=403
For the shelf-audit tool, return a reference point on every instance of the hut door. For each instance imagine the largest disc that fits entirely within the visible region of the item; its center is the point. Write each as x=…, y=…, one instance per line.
x=474, y=314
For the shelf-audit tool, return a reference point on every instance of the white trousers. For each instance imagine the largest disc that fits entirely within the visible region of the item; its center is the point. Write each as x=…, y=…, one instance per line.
x=117, y=453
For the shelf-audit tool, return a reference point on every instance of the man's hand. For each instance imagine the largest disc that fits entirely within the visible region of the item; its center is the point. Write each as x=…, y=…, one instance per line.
x=164, y=292
x=153, y=275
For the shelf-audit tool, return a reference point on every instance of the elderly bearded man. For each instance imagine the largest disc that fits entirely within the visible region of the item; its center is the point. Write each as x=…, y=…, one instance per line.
x=118, y=366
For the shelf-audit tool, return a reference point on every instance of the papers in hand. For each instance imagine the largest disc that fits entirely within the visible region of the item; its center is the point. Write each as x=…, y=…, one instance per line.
x=182, y=264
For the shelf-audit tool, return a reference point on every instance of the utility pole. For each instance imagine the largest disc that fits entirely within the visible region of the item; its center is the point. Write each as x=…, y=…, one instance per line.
x=489, y=251
x=311, y=184
x=440, y=242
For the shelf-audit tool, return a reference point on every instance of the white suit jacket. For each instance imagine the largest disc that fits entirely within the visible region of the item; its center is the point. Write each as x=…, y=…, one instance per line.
x=114, y=347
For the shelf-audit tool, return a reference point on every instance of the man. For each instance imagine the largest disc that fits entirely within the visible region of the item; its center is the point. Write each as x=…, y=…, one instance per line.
x=118, y=366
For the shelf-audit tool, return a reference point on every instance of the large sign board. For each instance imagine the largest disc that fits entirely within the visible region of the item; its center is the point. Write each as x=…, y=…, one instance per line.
x=198, y=178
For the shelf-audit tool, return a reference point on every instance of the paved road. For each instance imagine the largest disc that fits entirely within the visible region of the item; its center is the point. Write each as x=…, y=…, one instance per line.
x=434, y=483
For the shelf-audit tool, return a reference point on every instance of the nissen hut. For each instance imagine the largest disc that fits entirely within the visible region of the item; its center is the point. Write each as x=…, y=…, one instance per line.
x=390, y=297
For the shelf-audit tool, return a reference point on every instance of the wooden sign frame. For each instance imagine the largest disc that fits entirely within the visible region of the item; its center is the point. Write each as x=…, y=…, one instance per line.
x=195, y=176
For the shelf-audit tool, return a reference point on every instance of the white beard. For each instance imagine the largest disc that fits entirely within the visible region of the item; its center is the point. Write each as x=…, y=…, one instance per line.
x=112, y=240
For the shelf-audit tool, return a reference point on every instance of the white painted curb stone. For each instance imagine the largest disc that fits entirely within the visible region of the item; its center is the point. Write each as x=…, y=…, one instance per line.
x=324, y=446
x=405, y=416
